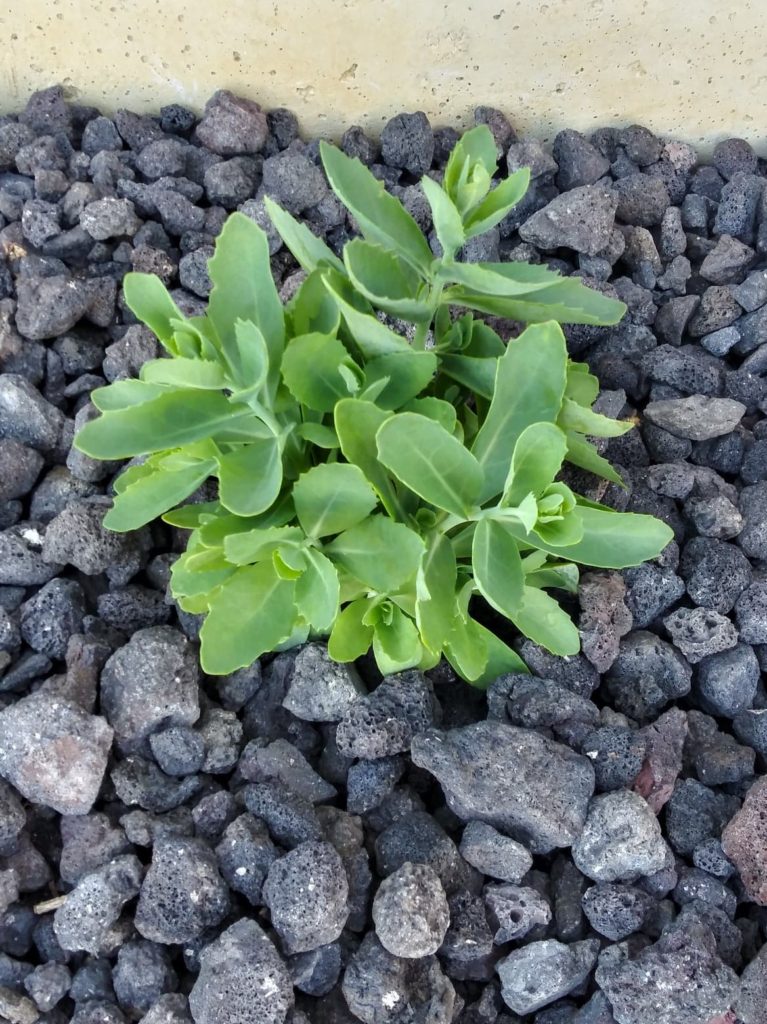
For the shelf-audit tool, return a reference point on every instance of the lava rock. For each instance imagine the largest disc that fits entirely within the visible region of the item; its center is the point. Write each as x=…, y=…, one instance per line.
x=379, y=987
x=642, y=200
x=647, y=674
x=417, y=838
x=616, y=911
x=743, y=842
x=407, y=142
x=698, y=417
x=679, y=980
x=715, y=573
x=581, y=219
x=514, y=911
x=245, y=854
x=26, y=417
x=293, y=181
x=182, y=893
x=578, y=161
x=76, y=536
x=542, y=972
x=727, y=681
x=516, y=780
x=410, y=911
x=320, y=689
x=151, y=681
x=621, y=839
x=385, y=723
x=53, y=752
x=88, y=918
x=306, y=892
x=699, y=632
x=494, y=854
x=242, y=977
x=232, y=125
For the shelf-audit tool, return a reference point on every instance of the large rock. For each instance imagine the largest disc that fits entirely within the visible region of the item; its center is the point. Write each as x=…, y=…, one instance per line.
x=697, y=417
x=53, y=752
x=679, y=980
x=320, y=689
x=541, y=972
x=86, y=921
x=381, y=988
x=515, y=779
x=232, y=125
x=410, y=911
x=307, y=893
x=621, y=840
x=581, y=219
x=183, y=893
x=151, y=681
x=242, y=979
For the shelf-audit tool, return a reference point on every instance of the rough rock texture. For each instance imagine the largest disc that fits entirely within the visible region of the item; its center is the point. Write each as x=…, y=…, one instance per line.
x=744, y=842
x=410, y=911
x=518, y=781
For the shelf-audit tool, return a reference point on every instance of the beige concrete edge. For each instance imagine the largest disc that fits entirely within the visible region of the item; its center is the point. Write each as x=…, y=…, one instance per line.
x=696, y=72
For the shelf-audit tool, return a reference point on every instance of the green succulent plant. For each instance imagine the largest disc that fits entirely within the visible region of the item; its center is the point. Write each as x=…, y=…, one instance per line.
x=374, y=483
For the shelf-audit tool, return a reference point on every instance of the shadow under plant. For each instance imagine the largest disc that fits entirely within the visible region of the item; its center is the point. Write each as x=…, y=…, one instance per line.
x=300, y=840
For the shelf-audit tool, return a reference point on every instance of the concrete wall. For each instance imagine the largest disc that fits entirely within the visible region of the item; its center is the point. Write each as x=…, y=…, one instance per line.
x=694, y=70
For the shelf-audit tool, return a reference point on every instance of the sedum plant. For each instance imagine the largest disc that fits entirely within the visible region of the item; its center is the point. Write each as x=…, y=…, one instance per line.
x=385, y=462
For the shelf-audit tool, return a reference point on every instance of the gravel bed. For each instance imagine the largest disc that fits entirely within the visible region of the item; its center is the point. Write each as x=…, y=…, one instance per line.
x=305, y=842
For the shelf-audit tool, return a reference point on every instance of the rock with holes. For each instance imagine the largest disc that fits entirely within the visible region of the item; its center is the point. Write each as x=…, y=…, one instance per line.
x=542, y=972
x=242, y=979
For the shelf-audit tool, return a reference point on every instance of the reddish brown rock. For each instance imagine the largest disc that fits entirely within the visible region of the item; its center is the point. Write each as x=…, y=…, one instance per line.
x=663, y=759
x=604, y=617
x=744, y=841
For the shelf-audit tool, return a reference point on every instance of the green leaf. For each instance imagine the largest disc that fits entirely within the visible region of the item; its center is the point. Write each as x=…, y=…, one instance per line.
x=253, y=356
x=407, y=374
x=191, y=516
x=309, y=250
x=386, y=280
x=501, y=659
x=529, y=385
x=582, y=386
x=381, y=217
x=435, y=592
x=583, y=454
x=250, y=477
x=434, y=409
x=568, y=301
x=470, y=167
x=371, y=336
x=256, y=545
x=498, y=202
x=497, y=566
x=395, y=644
x=184, y=373
x=350, y=638
x=331, y=498
x=319, y=434
x=611, y=540
x=148, y=298
x=123, y=394
x=171, y=420
x=313, y=309
x=475, y=374
x=430, y=461
x=542, y=620
x=311, y=368
x=577, y=417
x=251, y=613
x=318, y=591
x=357, y=423
x=562, y=576
x=243, y=289
x=152, y=495
x=379, y=553
x=500, y=280
x=467, y=648
x=199, y=573
x=446, y=218
x=538, y=456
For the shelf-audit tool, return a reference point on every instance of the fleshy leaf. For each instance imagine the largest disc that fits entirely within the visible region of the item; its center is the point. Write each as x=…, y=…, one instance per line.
x=331, y=498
